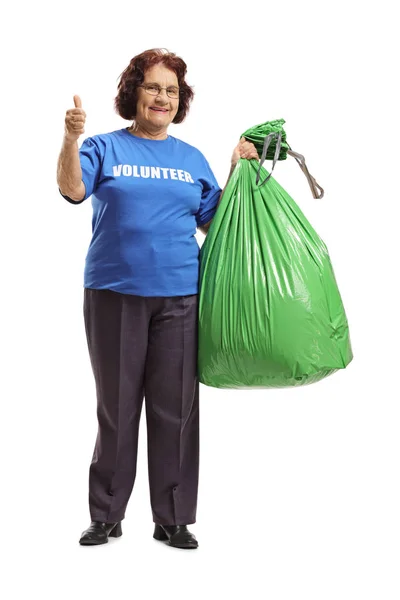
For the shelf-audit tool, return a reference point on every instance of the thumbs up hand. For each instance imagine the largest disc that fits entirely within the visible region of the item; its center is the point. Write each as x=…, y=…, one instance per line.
x=75, y=121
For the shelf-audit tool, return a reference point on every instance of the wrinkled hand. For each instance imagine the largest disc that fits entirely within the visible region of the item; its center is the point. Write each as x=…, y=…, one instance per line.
x=244, y=149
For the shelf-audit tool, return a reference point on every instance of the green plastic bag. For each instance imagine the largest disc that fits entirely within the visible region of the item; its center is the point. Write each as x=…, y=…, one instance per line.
x=270, y=312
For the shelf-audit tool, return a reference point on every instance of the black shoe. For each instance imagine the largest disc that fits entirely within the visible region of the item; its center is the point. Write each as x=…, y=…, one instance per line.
x=98, y=533
x=178, y=536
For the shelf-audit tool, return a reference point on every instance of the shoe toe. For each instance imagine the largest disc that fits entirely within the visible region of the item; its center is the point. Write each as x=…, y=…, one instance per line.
x=91, y=538
x=183, y=541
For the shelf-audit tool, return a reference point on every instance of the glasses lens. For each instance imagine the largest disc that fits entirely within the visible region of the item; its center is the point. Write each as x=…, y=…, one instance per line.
x=173, y=92
x=153, y=89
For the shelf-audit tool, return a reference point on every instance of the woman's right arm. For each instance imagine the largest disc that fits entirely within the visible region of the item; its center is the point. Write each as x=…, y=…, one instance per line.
x=69, y=172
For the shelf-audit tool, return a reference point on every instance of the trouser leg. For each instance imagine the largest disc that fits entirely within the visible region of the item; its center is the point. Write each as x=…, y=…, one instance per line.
x=172, y=410
x=117, y=330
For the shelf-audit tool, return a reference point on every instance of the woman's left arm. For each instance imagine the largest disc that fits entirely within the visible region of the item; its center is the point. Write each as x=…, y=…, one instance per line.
x=244, y=149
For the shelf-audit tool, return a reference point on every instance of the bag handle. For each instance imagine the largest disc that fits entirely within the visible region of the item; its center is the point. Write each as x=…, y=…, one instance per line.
x=267, y=142
x=316, y=190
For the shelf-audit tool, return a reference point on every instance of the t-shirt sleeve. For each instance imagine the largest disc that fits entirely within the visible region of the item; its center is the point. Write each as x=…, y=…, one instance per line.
x=209, y=197
x=90, y=156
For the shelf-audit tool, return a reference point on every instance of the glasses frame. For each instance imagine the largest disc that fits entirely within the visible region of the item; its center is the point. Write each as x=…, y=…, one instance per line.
x=146, y=85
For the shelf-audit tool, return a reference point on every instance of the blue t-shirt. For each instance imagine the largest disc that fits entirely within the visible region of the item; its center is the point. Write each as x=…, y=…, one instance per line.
x=148, y=197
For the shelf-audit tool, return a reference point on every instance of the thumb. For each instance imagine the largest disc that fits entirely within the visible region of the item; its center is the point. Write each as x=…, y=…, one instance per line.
x=77, y=102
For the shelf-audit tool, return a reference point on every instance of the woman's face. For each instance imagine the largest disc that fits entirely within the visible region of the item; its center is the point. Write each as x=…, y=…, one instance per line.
x=155, y=113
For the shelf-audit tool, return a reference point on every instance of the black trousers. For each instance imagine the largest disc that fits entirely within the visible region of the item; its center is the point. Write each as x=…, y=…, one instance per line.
x=144, y=347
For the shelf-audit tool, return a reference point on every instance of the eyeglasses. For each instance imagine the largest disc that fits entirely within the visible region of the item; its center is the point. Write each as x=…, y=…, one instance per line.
x=155, y=90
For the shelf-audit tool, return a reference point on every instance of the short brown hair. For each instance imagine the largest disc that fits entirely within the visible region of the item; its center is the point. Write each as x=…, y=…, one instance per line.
x=133, y=76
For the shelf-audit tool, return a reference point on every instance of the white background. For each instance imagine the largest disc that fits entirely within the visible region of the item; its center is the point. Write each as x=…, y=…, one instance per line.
x=299, y=488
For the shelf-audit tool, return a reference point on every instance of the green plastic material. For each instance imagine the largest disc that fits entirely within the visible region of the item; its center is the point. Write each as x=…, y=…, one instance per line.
x=270, y=313
x=258, y=133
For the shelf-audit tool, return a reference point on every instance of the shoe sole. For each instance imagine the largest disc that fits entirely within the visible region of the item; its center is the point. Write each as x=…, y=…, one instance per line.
x=166, y=541
x=182, y=547
x=92, y=543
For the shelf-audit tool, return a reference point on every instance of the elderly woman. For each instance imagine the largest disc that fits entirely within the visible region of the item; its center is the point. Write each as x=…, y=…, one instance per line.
x=149, y=192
